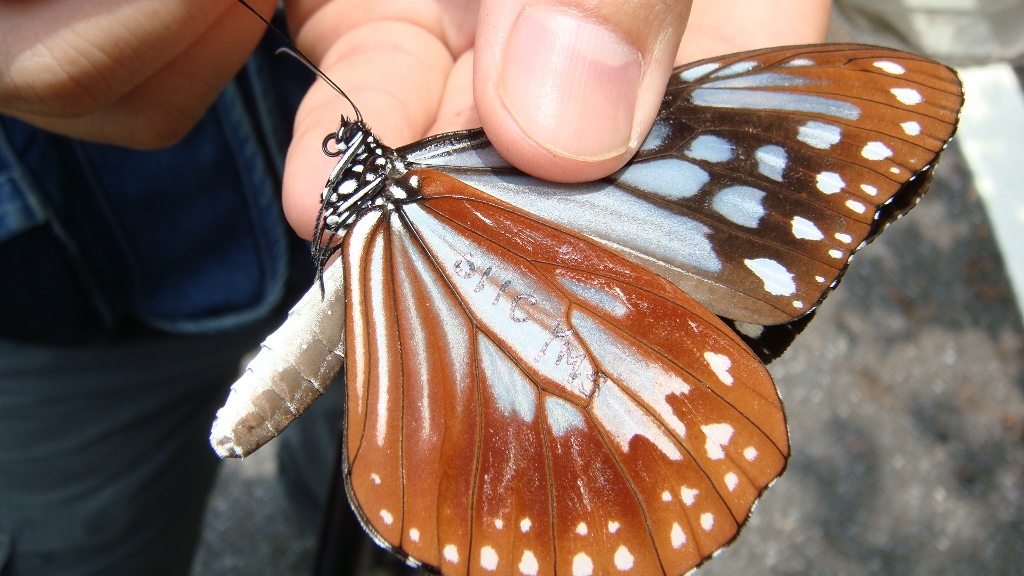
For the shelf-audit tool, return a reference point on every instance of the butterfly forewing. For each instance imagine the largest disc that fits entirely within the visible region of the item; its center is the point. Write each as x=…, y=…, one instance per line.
x=545, y=405
x=764, y=172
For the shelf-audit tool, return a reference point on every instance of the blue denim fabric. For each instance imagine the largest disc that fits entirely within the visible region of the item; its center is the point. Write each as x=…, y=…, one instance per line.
x=190, y=239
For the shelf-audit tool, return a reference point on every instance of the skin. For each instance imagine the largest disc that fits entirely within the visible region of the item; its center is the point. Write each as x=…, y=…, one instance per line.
x=140, y=73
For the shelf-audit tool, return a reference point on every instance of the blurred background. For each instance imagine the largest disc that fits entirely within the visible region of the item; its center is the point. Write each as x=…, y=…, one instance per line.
x=905, y=396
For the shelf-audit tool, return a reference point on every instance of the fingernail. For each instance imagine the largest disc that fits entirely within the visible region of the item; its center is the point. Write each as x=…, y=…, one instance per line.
x=571, y=84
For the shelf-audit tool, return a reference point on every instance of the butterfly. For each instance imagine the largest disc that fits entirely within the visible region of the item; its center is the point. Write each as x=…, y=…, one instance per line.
x=570, y=379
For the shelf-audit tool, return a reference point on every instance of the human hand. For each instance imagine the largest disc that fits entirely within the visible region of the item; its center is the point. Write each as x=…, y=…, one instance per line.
x=136, y=73
x=419, y=68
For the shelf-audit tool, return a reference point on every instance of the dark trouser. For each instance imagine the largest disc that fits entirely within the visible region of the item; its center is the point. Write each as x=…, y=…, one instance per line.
x=104, y=456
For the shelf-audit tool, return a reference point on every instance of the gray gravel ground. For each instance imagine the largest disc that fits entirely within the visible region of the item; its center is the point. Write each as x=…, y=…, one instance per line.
x=905, y=399
x=250, y=528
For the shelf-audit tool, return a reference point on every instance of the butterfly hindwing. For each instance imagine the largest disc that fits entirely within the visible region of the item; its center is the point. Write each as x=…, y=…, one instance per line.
x=545, y=404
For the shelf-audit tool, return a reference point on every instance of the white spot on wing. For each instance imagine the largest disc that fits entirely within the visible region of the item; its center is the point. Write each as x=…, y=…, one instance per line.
x=718, y=435
x=830, y=182
x=777, y=280
x=623, y=559
x=707, y=521
x=856, y=206
x=819, y=134
x=613, y=527
x=498, y=523
x=911, y=128
x=804, y=229
x=666, y=496
x=798, y=304
x=375, y=478
x=908, y=96
x=720, y=364
x=876, y=151
x=525, y=524
x=869, y=189
x=582, y=565
x=798, y=62
x=451, y=553
x=731, y=481
x=689, y=495
x=386, y=517
x=750, y=453
x=528, y=565
x=581, y=529
x=488, y=558
x=890, y=67
x=844, y=238
x=677, y=535
x=414, y=535
x=835, y=253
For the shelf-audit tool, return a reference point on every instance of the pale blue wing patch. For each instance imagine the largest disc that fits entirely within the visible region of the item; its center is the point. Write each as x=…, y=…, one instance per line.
x=511, y=305
x=599, y=298
x=622, y=221
x=623, y=419
x=563, y=417
x=670, y=178
x=768, y=100
x=760, y=81
x=741, y=205
x=819, y=134
x=771, y=161
x=736, y=68
x=644, y=375
x=692, y=74
x=656, y=137
x=512, y=390
x=710, y=148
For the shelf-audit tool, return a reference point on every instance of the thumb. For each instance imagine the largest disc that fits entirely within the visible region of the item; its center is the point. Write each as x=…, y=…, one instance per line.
x=567, y=90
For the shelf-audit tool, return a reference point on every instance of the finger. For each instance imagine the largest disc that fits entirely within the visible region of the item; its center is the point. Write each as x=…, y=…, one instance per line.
x=458, y=110
x=717, y=27
x=568, y=90
x=393, y=70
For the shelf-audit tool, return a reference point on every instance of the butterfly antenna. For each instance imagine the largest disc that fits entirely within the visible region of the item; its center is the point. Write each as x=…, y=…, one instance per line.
x=293, y=51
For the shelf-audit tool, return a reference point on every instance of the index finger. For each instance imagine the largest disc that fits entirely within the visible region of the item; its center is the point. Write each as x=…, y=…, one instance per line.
x=393, y=69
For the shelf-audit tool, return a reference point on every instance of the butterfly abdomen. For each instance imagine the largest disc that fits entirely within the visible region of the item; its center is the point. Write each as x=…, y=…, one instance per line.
x=293, y=367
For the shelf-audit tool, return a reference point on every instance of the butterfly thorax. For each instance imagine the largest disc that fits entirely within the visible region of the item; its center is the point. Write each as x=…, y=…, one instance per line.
x=368, y=175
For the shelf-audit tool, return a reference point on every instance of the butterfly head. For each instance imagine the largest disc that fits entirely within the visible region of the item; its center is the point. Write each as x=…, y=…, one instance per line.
x=367, y=176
